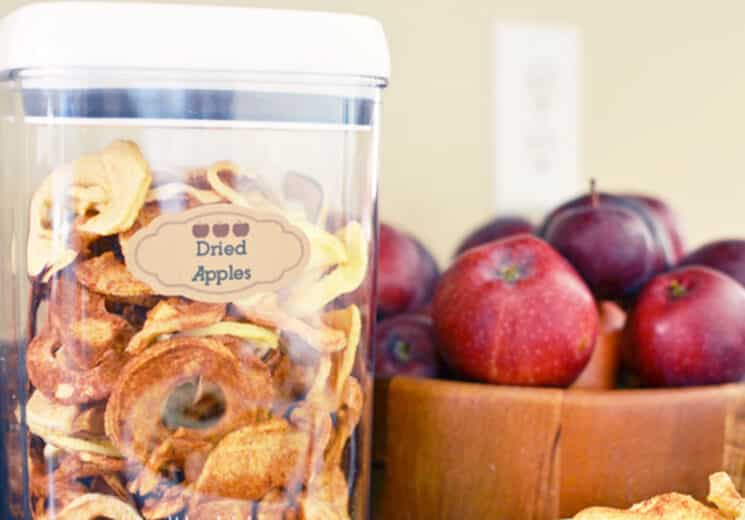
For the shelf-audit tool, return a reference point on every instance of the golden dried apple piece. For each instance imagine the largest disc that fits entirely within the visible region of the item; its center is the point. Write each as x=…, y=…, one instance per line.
x=134, y=413
x=244, y=331
x=671, y=505
x=251, y=461
x=326, y=249
x=309, y=298
x=122, y=172
x=103, y=193
x=93, y=506
x=175, y=315
x=107, y=275
x=724, y=495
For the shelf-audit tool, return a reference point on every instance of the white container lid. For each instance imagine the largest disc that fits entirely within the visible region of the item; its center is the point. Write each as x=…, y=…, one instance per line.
x=191, y=38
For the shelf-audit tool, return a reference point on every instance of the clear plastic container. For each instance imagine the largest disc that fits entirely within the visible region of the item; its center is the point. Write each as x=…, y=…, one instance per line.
x=189, y=216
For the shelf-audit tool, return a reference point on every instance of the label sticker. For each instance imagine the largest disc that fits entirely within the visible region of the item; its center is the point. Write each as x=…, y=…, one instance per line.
x=218, y=253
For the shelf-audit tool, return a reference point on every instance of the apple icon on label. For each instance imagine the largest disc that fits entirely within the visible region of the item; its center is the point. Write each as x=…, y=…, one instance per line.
x=200, y=230
x=241, y=229
x=221, y=230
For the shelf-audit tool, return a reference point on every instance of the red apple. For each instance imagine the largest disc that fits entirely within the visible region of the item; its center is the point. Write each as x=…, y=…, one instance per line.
x=500, y=227
x=688, y=328
x=727, y=256
x=405, y=344
x=407, y=273
x=515, y=312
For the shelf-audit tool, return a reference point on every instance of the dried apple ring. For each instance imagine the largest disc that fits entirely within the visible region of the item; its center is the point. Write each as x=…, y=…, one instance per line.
x=307, y=299
x=93, y=506
x=86, y=329
x=133, y=418
x=249, y=462
x=107, y=189
x=175, y=315
x=63, y=384
x=107, y=275
x=121, y=170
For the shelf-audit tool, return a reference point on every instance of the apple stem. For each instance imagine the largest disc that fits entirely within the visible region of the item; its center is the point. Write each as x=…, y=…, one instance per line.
x=594, y=196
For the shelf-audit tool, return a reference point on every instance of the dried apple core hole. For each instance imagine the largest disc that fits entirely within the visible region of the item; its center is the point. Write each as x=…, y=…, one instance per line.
x=194, y=405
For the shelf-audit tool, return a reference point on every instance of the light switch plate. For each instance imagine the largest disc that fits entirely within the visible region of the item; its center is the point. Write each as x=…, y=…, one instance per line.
x=536, y=116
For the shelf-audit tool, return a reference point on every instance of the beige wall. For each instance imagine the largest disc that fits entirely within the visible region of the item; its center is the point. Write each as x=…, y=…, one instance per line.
x=663, y=106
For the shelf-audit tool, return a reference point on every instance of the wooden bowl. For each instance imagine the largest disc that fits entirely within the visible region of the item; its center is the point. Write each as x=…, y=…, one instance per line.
x=464, y=451
x=461, y=451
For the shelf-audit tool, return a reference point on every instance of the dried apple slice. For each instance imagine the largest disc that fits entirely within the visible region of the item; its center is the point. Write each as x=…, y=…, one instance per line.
x=57, y=424
x=327, y=497
x=85, y=327
x=240, y=187
x=307, y=299
x=134, y=419
x=175, y=315
x=264, y=310
x=724, y=494
x=349, y=321
x=121, y=170
x=107, y=275
x=181, y=450
x=62, y=384
x=251, y=461
x=326, y=249
x=348, y=417
x=245, y=331
x=93, y=506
